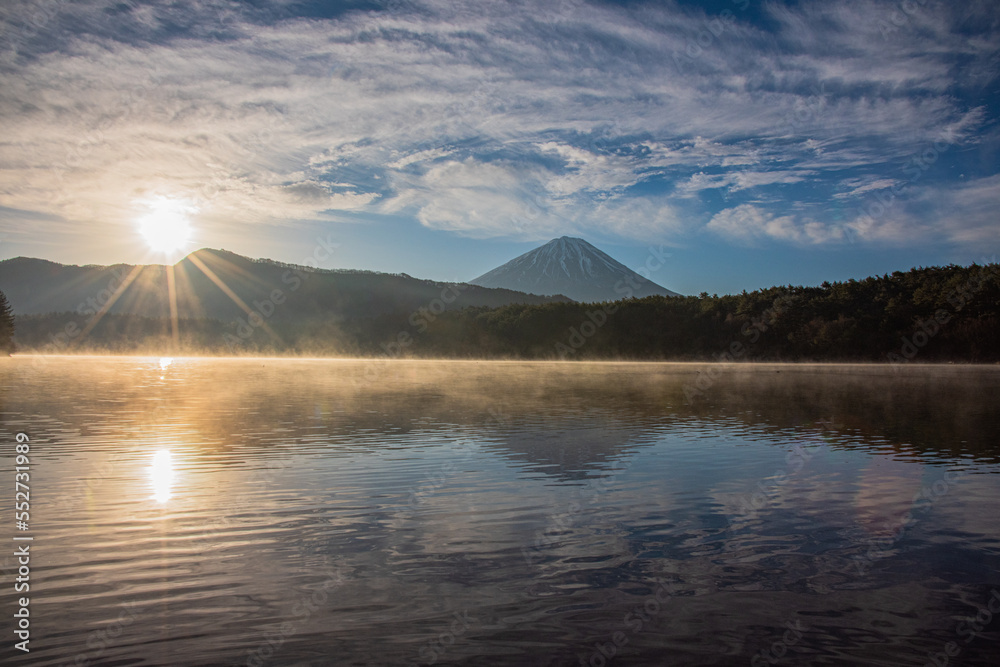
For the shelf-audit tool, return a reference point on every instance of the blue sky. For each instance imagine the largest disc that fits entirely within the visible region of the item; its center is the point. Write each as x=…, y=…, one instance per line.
x=757, y=143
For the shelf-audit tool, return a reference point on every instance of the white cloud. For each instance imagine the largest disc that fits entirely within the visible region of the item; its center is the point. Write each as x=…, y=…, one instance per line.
x=746, y=223
x=473, y=198
x=282, y=120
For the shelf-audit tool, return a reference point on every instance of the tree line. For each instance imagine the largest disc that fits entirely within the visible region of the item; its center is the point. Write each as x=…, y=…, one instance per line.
x=949, y=313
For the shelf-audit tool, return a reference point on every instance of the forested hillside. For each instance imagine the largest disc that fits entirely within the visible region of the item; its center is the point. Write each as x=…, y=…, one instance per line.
x=928, y=314
x=949, y=313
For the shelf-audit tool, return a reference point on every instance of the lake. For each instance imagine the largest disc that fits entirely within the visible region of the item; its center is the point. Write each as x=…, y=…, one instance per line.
x=330, y=512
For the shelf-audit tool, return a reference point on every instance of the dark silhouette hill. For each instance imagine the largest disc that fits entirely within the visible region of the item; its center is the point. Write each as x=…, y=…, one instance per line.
x=213, y=283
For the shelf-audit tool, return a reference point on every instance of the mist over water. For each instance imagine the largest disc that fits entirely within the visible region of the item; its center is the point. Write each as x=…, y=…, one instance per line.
x=318, y=512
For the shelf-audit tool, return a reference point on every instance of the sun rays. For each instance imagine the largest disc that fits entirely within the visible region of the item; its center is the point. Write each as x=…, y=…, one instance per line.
x=173, y=284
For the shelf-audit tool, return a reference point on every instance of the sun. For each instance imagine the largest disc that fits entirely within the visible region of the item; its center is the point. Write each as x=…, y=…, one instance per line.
x=165, y=226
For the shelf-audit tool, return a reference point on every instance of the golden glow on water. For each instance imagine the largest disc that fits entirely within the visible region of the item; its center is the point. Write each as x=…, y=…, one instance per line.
x=161, y=472
x=165, y=361
x=386, y=495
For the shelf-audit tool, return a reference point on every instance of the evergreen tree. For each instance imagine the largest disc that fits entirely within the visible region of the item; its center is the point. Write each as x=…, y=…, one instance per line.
x=6, y=325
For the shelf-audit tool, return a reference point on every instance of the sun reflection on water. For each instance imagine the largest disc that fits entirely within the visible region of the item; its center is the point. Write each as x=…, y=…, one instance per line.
x=161, y=472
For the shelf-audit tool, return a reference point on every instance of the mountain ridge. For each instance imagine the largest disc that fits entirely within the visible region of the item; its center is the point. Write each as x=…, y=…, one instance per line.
x=572, y=267
x=39, y=286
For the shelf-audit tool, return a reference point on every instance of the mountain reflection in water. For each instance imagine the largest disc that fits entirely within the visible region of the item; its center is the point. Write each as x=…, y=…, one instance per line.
x=307, y=512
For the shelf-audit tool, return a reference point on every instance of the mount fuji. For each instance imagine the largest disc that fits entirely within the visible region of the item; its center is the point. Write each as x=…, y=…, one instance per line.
x=574, y=268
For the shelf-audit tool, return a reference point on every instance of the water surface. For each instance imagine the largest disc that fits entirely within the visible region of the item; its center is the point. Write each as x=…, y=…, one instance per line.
x=304, y=512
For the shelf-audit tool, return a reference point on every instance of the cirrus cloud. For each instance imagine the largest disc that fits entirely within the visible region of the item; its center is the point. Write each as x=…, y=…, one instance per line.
x=514, y=120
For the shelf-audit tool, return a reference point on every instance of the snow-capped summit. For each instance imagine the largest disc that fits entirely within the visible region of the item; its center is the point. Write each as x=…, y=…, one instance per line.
x=574, y=268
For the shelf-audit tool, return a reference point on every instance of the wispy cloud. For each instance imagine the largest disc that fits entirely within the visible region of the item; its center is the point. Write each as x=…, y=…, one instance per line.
x=735, y=181
x=860, y=186
x=516, y=120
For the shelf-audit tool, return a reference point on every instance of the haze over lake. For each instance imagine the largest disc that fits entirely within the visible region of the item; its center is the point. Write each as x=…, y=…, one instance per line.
x=315, y=512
